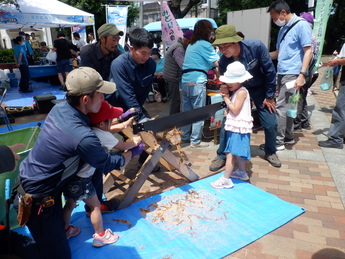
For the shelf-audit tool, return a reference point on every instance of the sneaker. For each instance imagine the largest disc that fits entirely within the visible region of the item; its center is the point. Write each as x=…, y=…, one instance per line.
x=240, y=175
x=280, y=147
x=329, y=144
x=105, y=208
x=289, y=141
x=108, y=238
x=273, y=160
x=306, y=126
x=201, y=144
x=298, y=129
x=72, y=231
x=217, y=164
x=222, y=183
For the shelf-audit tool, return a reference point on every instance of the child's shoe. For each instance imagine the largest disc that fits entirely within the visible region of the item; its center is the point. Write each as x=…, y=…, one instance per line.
x=222, y=183
x=108, y=238
x=240, y=175
x=72, y=231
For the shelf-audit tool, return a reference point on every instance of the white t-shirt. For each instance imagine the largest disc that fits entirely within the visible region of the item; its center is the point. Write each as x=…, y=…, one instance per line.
x=108, y=141
x=79, y=43
x=342, y=52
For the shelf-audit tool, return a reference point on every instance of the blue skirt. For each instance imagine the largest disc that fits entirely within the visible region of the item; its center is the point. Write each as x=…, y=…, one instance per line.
x=238, y=144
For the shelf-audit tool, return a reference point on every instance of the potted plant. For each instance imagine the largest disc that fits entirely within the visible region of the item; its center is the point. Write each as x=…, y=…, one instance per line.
x=7, y=59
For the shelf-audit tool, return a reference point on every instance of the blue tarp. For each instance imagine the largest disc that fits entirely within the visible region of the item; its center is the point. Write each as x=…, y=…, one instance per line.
x=192, y=221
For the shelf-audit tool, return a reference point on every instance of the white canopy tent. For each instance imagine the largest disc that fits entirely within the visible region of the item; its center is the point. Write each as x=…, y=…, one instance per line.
x=41, y=14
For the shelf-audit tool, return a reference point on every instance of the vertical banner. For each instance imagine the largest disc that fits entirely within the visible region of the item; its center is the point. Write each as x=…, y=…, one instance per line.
x=82, y=32
x=118, y=16
x=322, y=11
x=170, y=28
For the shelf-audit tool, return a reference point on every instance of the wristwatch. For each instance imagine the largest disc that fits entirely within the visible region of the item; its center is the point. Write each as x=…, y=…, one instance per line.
x=270, y=98
x=303, y=73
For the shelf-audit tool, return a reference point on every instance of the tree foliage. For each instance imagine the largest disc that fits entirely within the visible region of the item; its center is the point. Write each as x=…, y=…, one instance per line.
x=175, y=7
x=10, y=2
x=335, y=33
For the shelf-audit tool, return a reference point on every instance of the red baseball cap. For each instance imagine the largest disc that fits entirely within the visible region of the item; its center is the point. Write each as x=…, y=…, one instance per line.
x=106, y=112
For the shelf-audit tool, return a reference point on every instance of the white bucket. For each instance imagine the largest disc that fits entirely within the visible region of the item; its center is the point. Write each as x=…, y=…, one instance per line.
x=2, y=74
x=7, y=71
x=17, y=72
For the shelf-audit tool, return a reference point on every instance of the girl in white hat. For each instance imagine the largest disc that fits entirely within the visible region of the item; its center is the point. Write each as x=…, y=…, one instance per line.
x=238, y=125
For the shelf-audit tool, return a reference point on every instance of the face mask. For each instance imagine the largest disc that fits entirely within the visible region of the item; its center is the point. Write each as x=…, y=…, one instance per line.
x=279, y=23
x=23, y=43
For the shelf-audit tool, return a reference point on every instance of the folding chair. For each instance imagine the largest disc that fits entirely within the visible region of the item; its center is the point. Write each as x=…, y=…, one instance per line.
x=3, y=113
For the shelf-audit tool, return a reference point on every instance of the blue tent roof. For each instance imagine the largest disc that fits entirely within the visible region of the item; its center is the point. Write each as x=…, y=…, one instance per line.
x=185, y=24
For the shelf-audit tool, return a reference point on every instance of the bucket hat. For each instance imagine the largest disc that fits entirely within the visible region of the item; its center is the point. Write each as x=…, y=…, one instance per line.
x=235, y=73
x=226, y=34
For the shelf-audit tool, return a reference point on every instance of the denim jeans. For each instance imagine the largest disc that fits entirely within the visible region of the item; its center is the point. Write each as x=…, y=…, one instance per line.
x=193, y=96
x=268, y=122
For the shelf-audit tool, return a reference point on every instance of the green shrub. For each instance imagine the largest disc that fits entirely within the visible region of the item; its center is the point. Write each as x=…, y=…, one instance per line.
x=7, y=56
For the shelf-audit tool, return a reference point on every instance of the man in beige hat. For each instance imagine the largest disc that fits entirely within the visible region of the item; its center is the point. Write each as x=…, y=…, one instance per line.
x=64, y=145
x=100, y=55
x=254, y=55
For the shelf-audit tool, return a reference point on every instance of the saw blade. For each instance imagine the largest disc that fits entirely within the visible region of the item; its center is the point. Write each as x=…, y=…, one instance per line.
x=181, y=119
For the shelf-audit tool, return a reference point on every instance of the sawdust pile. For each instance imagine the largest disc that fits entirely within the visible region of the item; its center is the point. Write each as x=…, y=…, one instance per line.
x=186, y=212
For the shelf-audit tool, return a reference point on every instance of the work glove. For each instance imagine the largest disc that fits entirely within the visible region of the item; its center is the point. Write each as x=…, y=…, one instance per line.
x=137, y=150
x=128, y=114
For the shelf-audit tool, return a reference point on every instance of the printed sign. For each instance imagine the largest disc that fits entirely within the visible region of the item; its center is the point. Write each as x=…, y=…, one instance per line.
x=170, y=28
x=118, y=16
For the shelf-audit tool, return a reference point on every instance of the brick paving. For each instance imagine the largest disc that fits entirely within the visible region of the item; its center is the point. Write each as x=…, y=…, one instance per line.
x=305, y=179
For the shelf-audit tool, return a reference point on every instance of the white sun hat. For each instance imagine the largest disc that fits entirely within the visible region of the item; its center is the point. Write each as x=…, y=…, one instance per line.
x=235, y=73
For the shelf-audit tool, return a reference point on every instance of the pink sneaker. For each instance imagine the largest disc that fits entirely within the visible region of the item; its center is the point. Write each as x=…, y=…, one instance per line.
x=240, y=175
x=108, y=238
x=72, y=231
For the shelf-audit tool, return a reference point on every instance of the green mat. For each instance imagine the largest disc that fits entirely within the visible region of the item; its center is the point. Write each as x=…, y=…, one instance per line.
x=8, y=139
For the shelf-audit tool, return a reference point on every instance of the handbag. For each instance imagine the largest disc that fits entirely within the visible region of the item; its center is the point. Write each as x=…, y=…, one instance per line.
x=51, y=56
x=327, y=79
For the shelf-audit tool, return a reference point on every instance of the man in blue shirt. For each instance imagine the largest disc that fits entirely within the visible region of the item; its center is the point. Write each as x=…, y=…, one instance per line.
x=293, y=51
x=254, y=55
x=100, y=54
x=64, y=145
x=133, y=73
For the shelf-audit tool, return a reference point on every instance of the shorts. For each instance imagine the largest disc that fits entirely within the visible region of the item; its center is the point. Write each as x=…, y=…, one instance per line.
x=62, y=66
x=79, y=188
x=238, y=144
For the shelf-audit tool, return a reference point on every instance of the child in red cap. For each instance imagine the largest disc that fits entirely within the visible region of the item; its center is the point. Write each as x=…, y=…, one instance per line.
x=81, y=187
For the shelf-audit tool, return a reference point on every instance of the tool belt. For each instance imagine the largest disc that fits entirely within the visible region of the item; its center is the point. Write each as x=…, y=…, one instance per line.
x=25, y=205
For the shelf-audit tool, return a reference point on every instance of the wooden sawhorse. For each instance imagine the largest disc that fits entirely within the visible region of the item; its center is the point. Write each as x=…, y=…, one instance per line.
x=158, y=152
